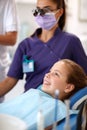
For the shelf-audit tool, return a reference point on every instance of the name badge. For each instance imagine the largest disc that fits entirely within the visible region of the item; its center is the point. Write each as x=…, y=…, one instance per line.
x=28, y=65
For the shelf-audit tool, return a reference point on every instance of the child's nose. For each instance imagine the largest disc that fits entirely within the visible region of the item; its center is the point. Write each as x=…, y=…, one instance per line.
x=47, y=75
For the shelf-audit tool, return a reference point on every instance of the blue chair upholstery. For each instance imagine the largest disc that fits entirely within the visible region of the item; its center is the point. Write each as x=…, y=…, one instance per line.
x=77, y=99
x=73, y=119
x=75, y=102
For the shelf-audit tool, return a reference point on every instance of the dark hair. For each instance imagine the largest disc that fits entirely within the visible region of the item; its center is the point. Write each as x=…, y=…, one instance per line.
x=61, y=4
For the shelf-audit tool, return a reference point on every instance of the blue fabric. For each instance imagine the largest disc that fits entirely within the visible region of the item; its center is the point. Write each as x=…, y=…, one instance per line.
x=78, y=98
x=73, y=121
x=27, y=105
x=61, y=46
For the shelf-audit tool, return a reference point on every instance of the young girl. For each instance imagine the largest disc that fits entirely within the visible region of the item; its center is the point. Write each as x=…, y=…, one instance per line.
x=65, y=76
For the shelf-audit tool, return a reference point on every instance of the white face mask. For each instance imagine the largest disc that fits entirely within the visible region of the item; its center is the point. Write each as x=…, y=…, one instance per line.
x=48, y=21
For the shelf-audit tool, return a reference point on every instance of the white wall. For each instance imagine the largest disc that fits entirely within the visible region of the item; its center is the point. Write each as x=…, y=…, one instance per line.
x=75, y=24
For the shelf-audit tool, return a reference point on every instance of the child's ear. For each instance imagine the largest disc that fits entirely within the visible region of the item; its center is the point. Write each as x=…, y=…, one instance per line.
x=69, y=88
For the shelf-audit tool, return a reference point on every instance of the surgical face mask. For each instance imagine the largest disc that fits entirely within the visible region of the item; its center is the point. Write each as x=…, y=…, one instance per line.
x=47, y=21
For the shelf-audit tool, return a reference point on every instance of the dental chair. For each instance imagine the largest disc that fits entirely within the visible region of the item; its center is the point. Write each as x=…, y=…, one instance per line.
x=76, y=102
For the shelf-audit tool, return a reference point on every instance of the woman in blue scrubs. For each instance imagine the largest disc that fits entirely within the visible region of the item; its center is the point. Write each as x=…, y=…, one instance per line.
x=36, y=54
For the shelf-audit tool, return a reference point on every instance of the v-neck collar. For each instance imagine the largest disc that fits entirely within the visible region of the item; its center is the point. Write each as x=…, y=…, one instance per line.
x=39, y=30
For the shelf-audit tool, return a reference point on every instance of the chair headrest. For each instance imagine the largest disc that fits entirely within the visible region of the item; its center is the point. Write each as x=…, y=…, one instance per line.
x=78, y=98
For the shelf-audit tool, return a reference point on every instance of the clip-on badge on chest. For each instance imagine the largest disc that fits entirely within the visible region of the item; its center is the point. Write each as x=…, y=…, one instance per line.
x=28, y=65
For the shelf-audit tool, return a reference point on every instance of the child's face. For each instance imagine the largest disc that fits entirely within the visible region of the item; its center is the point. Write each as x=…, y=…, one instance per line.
x=56, y=79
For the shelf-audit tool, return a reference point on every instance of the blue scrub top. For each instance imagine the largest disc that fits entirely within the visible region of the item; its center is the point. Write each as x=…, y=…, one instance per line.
x=62, y=45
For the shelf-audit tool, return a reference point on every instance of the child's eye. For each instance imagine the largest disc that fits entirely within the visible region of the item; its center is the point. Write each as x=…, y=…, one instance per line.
x=56, y=74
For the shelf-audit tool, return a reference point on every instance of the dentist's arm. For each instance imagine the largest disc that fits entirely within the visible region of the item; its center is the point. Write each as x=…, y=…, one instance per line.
x=6, y=85
x=8, y=39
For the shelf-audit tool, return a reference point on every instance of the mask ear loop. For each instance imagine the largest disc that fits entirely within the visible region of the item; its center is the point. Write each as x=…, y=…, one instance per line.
x=58, y=16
